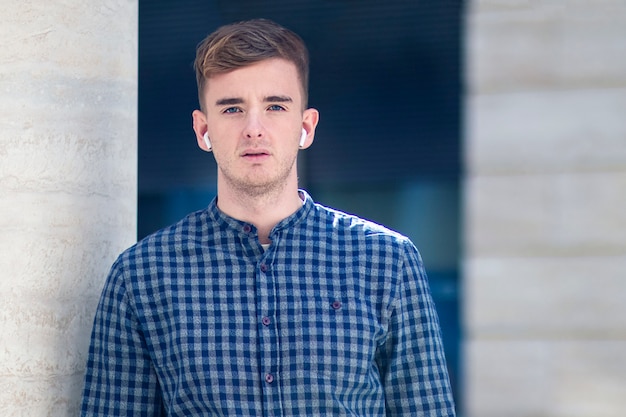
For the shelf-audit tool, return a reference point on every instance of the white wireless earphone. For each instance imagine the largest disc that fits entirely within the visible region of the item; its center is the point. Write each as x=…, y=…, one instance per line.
x=303, y=137
x=206, y=140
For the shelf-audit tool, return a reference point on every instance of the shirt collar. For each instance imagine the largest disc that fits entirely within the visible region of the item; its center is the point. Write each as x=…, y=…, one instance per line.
x=226, y=221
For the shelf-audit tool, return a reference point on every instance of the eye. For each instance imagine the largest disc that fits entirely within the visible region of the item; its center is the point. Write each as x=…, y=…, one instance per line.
x=275, y=107
x=231, y=110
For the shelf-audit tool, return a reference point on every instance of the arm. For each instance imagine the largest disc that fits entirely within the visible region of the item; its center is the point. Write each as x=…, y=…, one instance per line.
x=120, y=379
x=413, y=366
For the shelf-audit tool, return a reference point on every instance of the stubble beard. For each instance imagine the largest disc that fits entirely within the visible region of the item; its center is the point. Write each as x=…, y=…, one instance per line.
x=254, y=186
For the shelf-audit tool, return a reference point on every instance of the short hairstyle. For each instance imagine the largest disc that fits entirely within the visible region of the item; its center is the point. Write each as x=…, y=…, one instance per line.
x=240, y=44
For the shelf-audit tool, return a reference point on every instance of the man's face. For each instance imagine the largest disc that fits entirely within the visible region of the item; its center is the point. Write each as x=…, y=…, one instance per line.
x=254, y=118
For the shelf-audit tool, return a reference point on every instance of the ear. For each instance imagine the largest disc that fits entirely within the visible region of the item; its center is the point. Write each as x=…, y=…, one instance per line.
x=200, y=127
x=310, y=117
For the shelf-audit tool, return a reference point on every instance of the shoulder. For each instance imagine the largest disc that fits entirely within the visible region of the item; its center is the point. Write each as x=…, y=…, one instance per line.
x=382, y=253
x=168, y=240
x=344, y=223
x=139, y=269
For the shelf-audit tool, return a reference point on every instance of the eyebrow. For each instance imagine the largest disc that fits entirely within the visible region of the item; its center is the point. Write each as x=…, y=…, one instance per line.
x=278, y=99
x=229, y=101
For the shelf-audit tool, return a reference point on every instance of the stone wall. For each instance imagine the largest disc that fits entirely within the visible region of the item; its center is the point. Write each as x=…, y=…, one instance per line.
x=545, y=209
x=68, y=151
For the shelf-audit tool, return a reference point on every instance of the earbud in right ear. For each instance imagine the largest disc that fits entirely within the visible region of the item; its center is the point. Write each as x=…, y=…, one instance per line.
x=207, y=142
x=303, y=137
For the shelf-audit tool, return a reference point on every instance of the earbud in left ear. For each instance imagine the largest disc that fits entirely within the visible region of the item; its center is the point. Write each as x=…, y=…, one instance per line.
x=303, y=138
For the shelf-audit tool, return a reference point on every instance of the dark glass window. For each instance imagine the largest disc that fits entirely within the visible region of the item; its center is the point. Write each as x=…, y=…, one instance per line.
x=386, y=78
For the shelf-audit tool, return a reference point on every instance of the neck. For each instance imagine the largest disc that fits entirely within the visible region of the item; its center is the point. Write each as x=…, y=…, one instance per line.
x=264, y=210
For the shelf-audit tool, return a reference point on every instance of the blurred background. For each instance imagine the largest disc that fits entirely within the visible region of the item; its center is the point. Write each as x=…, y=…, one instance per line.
x=491, y=132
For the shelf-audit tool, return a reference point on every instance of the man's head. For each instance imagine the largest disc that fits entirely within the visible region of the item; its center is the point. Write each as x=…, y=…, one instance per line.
x=245, y=43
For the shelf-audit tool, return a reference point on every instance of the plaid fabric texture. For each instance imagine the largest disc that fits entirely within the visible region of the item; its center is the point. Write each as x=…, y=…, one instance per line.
x=335, y=318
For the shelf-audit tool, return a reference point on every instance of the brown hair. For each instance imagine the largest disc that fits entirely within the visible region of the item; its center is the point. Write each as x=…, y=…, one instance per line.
x=244, y=43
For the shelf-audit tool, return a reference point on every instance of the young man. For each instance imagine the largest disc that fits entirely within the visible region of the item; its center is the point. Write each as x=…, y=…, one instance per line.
x=265, y=303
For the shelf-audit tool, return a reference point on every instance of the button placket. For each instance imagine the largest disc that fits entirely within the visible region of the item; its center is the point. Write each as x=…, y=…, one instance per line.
x=267, y=303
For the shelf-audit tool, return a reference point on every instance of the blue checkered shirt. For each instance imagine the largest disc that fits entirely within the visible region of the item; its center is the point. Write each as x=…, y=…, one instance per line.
x=335, y=318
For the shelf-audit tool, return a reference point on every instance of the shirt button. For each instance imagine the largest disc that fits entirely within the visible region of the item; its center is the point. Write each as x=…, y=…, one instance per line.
x=247, y=228
x=336, y=305
x=269, y=378
x=264, y=268
x=266, y=321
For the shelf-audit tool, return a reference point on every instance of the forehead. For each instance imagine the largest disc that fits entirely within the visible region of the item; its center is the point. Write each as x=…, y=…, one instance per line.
x=274, y=76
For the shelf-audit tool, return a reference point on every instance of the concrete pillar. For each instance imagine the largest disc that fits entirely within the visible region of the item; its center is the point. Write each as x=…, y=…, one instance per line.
x=545, y=210
x=68, y=150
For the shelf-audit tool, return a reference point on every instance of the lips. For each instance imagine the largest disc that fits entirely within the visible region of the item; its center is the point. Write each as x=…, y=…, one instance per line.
x=255, y=154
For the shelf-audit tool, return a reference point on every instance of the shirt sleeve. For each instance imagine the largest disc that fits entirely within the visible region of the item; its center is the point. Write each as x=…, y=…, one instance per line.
x=120, y=379
x=413, y=365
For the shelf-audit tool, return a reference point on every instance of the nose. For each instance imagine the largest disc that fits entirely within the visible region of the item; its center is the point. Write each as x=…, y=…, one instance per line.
x=254, y=129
